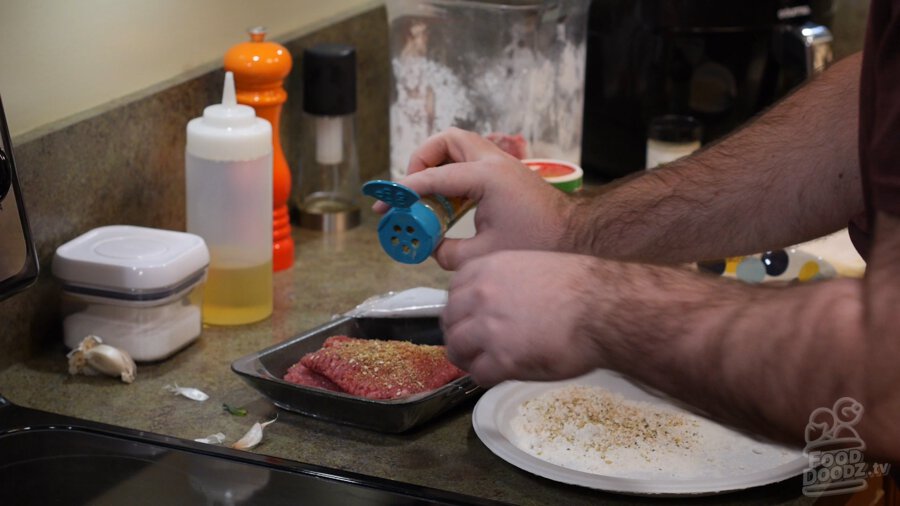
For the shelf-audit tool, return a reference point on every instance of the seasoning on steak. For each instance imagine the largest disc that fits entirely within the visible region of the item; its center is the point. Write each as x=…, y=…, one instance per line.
x=377, y=369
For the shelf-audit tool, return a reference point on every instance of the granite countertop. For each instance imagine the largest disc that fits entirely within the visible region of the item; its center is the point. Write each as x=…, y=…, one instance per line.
x=332, y=274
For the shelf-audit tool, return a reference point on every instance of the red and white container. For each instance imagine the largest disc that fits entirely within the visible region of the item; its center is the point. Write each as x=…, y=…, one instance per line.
x=564, y=175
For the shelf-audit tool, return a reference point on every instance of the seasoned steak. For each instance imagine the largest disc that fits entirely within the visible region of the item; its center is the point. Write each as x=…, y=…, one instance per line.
x=301, y=375
x=377, y=369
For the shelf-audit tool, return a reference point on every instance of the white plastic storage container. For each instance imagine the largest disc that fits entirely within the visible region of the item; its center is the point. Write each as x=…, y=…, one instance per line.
x=139, y=289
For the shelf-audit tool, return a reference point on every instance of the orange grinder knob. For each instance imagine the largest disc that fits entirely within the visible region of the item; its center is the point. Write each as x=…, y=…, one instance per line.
x=259, y=68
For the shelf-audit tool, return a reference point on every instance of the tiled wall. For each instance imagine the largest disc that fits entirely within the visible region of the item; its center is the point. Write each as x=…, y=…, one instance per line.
x=126, y=166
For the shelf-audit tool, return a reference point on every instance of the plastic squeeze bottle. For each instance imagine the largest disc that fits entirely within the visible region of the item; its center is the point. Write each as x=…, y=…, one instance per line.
x=228, y=169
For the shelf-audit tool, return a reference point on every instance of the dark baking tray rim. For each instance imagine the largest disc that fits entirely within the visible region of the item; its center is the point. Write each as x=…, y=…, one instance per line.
x=264, y=369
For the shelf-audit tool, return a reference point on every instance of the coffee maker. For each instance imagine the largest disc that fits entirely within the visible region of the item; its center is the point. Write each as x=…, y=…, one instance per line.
x=718, y=62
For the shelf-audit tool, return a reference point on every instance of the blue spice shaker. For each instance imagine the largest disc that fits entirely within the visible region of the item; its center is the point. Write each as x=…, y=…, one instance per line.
x=414, y=226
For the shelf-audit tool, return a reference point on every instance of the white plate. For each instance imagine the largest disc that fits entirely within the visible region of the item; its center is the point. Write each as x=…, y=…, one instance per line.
x=496, y=409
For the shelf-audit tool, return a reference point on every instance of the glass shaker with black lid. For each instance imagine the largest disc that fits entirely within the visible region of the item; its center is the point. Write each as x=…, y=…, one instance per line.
x=327, y=196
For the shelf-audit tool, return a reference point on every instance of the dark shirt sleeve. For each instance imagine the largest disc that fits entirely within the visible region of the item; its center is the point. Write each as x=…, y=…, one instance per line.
x=879, y=117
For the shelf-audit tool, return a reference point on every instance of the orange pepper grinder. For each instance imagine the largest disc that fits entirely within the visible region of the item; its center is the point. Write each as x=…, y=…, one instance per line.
x=259, y=68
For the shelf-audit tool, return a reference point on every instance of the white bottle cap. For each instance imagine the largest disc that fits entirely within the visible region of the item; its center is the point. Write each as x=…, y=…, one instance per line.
x=229, y=132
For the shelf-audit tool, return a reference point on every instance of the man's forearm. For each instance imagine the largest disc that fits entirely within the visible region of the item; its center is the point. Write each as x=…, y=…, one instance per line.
x=881, y=296
x=789, y=176
x=756, y=357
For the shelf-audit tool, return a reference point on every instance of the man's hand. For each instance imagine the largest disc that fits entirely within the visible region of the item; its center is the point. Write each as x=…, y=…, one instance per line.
x=520, y=315
x=517, y=209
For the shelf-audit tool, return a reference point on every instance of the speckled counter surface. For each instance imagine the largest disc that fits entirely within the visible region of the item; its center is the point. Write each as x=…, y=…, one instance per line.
x=331, y=274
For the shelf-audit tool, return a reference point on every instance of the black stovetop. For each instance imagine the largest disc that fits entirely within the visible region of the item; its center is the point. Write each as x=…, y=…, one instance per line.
x=50, y=459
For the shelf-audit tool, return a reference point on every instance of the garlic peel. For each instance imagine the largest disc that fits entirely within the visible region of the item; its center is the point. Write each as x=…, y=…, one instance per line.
x=214, y=439
x=191, y=393
x=253, y=436
x=94, y=357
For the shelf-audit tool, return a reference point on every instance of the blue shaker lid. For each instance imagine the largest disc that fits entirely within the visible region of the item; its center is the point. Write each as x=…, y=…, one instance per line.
x=409, y=231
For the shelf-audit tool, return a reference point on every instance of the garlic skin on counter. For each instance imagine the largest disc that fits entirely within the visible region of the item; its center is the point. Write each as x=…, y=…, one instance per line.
x=193, y=394
x=213, y=439
x=92, y=357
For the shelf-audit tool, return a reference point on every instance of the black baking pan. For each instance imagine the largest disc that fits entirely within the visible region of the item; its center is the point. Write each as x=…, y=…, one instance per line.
x=263, y=370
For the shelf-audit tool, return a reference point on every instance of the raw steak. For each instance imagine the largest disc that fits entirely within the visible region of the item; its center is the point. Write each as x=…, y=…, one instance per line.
x=378, y=369
x=301, y=375
x=515, y=145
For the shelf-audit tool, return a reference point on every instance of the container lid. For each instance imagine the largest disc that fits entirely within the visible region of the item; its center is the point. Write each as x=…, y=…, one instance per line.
x=132, y=262
x=675, y=128
x=329, y=80
x=410, y=231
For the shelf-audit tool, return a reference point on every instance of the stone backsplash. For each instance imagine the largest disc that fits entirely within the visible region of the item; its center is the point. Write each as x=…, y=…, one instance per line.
x=125, y=165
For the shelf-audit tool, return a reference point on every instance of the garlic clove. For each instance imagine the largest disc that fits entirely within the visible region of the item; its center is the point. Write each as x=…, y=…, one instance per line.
x=111, y=361
x=78, y=360
x=253, y=436
x=90, y=342
x=102, y=358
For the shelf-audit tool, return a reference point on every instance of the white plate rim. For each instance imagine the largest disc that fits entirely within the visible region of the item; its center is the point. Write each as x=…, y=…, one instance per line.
x=490, y=405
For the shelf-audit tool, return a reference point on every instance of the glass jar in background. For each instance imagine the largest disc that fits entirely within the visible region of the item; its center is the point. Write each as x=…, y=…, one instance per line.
x=671, y=137
x=511, y=69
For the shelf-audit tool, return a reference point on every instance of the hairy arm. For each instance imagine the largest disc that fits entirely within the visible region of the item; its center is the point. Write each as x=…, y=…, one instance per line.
x=757, y=357
x=789, y=176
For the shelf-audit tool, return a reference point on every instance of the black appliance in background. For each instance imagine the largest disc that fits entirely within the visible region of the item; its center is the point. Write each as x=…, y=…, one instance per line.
x=718, y=61
x=18, y=259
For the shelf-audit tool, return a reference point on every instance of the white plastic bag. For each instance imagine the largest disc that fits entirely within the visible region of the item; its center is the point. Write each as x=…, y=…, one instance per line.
x=420, y=301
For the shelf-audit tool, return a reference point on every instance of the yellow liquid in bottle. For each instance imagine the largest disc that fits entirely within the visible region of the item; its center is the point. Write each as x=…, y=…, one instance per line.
x=234, y=296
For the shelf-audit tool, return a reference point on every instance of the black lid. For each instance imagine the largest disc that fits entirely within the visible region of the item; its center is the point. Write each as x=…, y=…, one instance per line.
x=329, y=80
x=702, y=15
x=675, y=128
